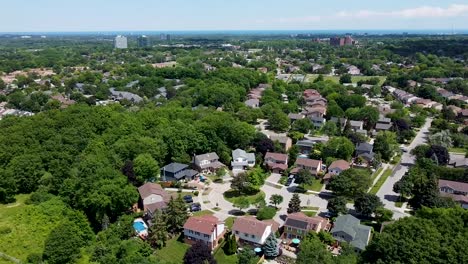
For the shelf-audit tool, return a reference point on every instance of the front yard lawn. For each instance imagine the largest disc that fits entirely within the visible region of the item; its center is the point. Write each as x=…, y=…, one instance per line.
x=221, y=257
x=229, y=222
x=202, y=213
x=457, y=150
x=316, y=185
x=381, y=181
x=232, y=196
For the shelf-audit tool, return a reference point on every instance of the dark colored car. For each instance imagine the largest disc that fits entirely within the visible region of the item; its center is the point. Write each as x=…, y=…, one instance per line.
x=195, y=207
x=188, y=199
x=289, y=181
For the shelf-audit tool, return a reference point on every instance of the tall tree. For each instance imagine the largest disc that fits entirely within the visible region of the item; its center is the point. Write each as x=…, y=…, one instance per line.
x=63, y=244
x=294, y=205
x=158, y=231
x=270, y=248
x=177, y=214
x=199, y=253
x=145, y=167
x=350, y=183
x=312, y=251
x=339, y=148
x=367, y=204
x=337, y=205
x=230, y=247
x=276, y=199
x=386, y=144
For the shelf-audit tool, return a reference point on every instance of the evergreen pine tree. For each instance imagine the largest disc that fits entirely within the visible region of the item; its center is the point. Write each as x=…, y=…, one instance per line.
x=231, y=245
x=270, y=248
x=158, y=232
x=294, y=205
x=176, y=214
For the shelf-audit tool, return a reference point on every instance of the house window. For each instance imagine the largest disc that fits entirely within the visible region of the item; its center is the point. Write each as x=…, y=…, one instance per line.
x=299, y=231
x=197, y=233
x=253, y=236
x=206, y=236
x=289, y=228
x=237, y=232
x=245, y=234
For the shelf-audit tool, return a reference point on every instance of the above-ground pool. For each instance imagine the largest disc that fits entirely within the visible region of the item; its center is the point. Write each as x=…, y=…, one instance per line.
x=139, y=226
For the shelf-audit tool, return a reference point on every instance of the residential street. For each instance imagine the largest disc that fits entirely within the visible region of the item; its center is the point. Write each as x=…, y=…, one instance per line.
x=386, y=193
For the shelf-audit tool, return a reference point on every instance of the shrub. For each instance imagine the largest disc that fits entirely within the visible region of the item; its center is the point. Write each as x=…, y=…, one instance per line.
x=266, y=213
x=195, y=193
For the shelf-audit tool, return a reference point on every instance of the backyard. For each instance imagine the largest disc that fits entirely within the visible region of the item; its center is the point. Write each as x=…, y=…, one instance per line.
x=24, y=228
x=174, y=251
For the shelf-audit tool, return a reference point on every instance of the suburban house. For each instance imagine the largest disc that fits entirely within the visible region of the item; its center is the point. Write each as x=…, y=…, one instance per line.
x=318, y=122
x=356, y=125
x=365, y=150
x=353, y=70
x=383, y=124
x=305, y=146
x=208, y=163
x=348, y=228
x=285, y=142
x=453, y=187
x=242, y=160
x=294, y=117
x=335, y=168
x=298, y=225
x=121, y=95
x=340, y=122
x=249, y=230
x=316, y=111
x=208, y=229
x=177, y=171
x=153, y=197
x=252, y=103
x=314, y=166
x=277, y=162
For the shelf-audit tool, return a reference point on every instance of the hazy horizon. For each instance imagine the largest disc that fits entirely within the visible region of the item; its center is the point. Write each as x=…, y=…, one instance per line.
x=211, y=15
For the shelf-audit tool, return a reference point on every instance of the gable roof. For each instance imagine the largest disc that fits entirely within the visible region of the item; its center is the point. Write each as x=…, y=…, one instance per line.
x=207, y=156
x=340, y=164
x=365, y=147
x=239, y=153
x=302, y=221
x=457, y=186
x=383, y=126
x=276, y=156
x=308, y=162
x=149, y=188
x=250, y=225
x=174, y=167
x=204, y=224
x=354, y=123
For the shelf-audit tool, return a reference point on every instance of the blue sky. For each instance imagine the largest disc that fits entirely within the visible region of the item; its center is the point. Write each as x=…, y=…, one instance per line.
x=158, y=15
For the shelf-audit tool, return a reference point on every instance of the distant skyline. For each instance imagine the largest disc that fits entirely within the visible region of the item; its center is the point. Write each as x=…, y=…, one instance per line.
x=184, y=15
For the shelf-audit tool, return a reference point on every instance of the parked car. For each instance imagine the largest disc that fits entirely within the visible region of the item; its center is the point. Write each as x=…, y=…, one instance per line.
x=188, y=199
x=290, y=180
x=195, y=207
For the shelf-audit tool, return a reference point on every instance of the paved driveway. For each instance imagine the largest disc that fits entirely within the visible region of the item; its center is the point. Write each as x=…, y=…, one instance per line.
x=386, y=193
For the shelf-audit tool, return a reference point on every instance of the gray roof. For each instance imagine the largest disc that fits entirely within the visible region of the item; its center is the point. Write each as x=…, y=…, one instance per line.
x=239, y=153
x=118, y=95
x=318, y=119
x=296, y=223
x=365, y=147
x=305, y=143
x=131, y=84
x=383, y=126
x=174, y=167
x=207, y=156
x=296, y=116
x=252, y=102
x=356, y=123
x=352, y=226
x=384, y=120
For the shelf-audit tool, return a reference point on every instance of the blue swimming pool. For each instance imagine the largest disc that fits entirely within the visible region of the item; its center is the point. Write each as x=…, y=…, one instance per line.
x=139, y=227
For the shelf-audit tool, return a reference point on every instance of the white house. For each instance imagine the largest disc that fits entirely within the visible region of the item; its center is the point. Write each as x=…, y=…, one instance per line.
x=242, y=159
x=208, y=229
x=249, y=229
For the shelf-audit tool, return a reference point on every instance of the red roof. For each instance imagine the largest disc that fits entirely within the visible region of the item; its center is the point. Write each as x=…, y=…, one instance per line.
x=250, y=225
x=277, y=156
x=340, y=164
x=308, y=162
x=204, y=224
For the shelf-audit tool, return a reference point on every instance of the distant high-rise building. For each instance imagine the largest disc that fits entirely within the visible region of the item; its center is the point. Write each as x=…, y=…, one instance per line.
x=346, y=41
x=120, y=42
x=143, y=41
x=165, y=37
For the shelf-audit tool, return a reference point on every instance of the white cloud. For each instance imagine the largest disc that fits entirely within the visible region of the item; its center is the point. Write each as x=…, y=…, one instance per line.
x=418, y=12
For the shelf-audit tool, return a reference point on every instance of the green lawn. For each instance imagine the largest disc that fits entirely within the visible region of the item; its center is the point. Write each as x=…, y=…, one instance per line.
x=222, y=258
x=232, y=196
x=457, y=150
x=229, y=222
x=310, y=213
x=316, y=186
x=376, y=173
x=381, y=181
x=202, y=213
x=26, y=227
x=174, y=251
x=336, y=79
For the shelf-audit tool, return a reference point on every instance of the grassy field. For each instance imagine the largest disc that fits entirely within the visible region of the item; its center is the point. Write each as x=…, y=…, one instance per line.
x=376, y=173
x=232, y=196
x=203, y=212
x=221, y=257
x=336, y=79
x=381, y=181
x=457, y=150
x=26, y=227
x=229, y=222
x=316, y=186
x=174, y=251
